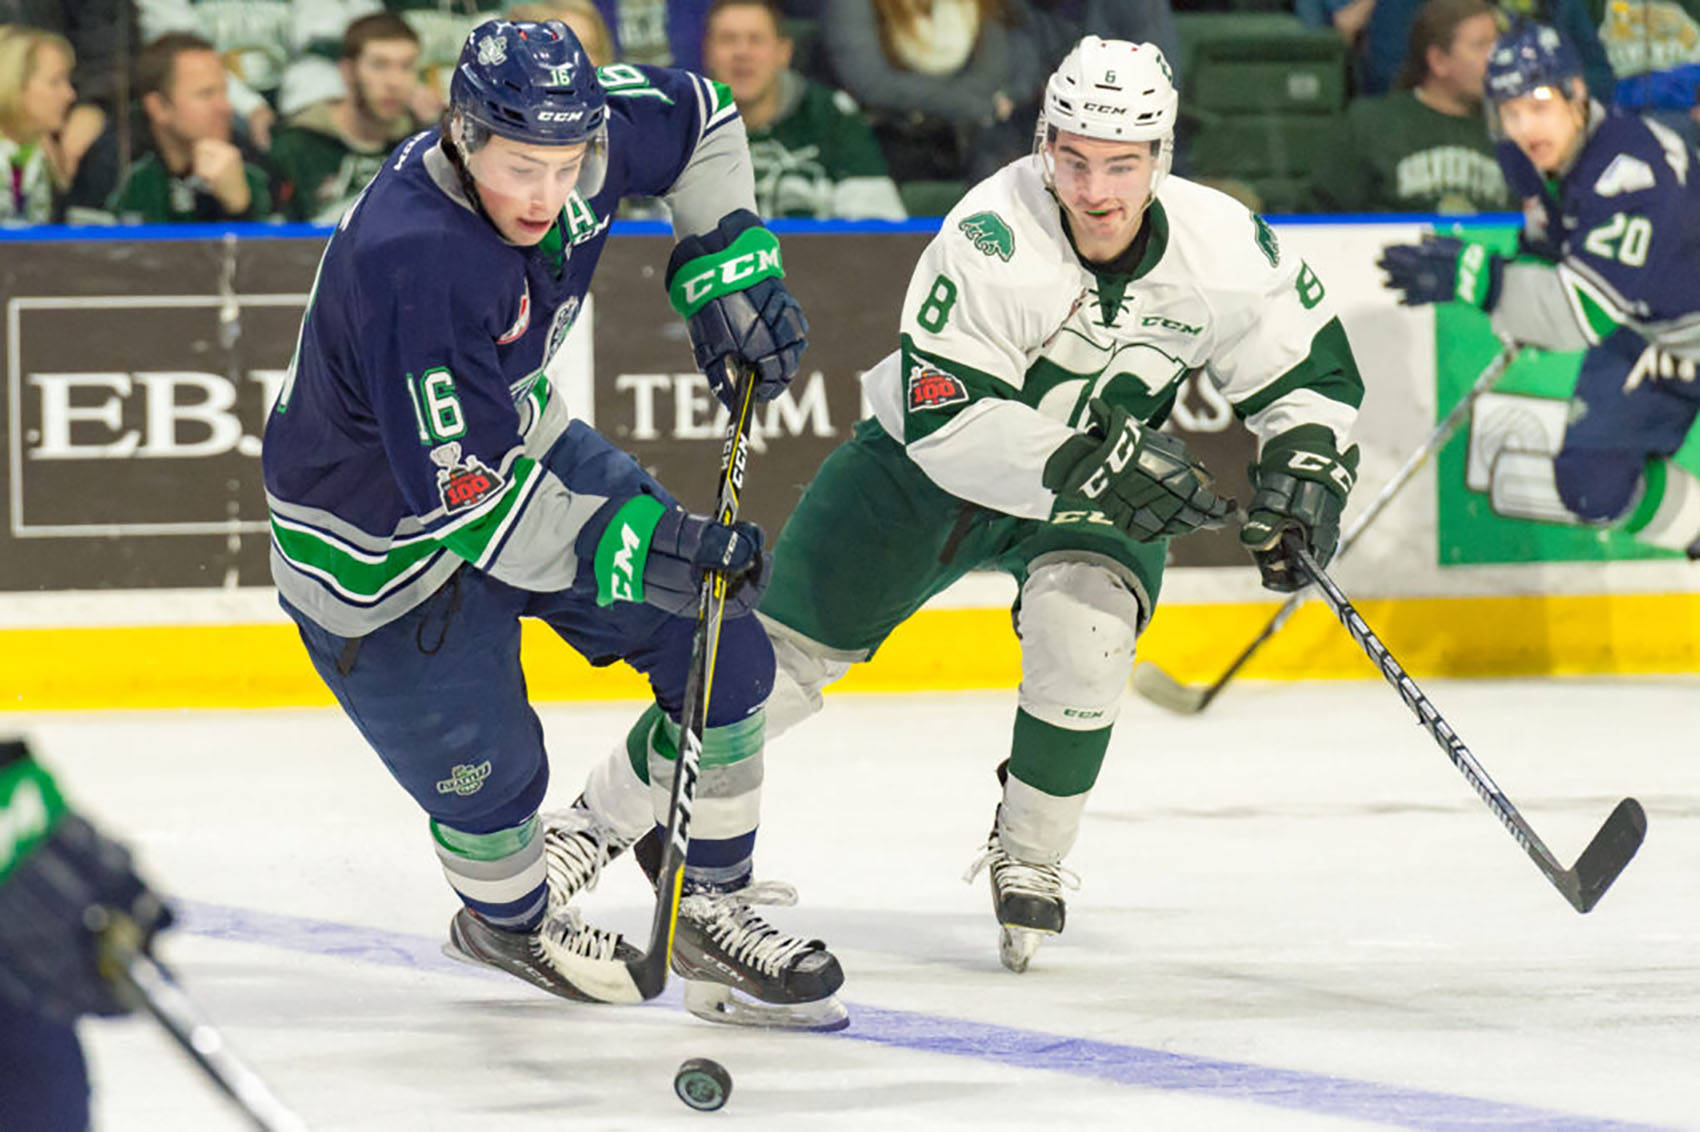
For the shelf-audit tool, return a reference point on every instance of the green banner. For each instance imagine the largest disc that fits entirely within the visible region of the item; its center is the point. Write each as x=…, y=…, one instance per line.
x=1525, y=411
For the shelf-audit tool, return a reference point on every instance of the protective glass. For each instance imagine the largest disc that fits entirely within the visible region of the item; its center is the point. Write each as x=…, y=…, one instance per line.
x=526, y=172
x=1544, y=112
x=1125, y=176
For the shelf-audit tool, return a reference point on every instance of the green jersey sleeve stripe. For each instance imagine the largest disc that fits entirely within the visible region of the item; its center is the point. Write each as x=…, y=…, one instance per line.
x=1329, y=369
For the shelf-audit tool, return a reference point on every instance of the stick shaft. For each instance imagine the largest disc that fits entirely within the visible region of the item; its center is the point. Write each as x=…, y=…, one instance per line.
x=1427, y=714
x=183, y=1020
x=1431, y=444
x=705, y=644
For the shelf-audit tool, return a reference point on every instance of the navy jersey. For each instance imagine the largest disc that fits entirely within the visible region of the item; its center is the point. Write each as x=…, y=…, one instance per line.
x=1623, y=225
x=407, y=437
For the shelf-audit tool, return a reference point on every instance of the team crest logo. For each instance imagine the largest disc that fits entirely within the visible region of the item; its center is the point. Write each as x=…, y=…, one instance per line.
x=565, y=315
x=931, y=388
x=462, y=482
x=464, y=779
x=522, y=323
x=990, y=234
x=492, y=51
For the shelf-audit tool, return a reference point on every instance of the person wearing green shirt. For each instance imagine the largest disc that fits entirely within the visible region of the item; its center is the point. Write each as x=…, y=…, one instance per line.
x=1424, y=147
x=331, y=149
x=195, y=172
x=814, y=154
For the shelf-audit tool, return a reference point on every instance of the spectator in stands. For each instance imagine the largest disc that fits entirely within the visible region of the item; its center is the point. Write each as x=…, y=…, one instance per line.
x=814, y=154
x=35, y=97
x=102, y=34
x=579, y=15
x=1425, y=147
x=666, y=33
x=194, y=171
x=1348, y=17
x=1654, y=49
x=330, y=150
x=934, y=76
x=1389, y=31
x=1042, y=32
x=253, y=37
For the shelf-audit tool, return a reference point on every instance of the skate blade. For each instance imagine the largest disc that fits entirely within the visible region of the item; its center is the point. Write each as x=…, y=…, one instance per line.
x=717, y=1002
x=1017, y=946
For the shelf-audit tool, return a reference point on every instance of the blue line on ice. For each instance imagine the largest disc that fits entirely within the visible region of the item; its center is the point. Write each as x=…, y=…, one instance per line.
x=1137, y=1066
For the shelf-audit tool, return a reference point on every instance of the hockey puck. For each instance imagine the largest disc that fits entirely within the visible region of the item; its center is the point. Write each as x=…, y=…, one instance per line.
x=703, y=1083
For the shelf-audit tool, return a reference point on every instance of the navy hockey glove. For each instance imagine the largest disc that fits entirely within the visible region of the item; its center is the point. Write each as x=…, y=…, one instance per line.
x=658, y=555
x=1442, y=269
x=1300, y=484
x=728, y=287
x=1142, y=480
x=66, y=893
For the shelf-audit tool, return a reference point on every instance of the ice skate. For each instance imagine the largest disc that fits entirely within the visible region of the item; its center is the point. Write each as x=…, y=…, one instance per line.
x=563, y=956
x=741, y=970
x=1027, y=900
x=576, y=846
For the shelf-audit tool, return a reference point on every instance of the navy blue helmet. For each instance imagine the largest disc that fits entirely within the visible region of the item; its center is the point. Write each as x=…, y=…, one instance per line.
x=1530, y=56
x=529, y=82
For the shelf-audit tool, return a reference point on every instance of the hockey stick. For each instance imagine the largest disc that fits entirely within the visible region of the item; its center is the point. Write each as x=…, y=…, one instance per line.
x=1165, y=691
x=649, y=970
x=145, y=981
x=1606, y=855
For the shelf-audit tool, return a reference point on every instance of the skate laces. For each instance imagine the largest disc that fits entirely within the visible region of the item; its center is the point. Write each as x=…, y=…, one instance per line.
x=575, y=847
x=730, y=921
x=566, y=931
x=1011, y=875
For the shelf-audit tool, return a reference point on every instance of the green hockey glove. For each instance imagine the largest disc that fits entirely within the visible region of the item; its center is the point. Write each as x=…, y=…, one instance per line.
x=1300, y=484
x=1143, y=481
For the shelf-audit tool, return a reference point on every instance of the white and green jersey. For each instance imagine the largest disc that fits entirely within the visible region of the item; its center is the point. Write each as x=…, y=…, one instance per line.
x=1007, y=335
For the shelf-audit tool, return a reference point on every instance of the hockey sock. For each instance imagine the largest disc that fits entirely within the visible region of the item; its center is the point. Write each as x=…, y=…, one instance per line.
x=727, y=807
x=1668, y=513
x=1051, y=771
x=500, y=875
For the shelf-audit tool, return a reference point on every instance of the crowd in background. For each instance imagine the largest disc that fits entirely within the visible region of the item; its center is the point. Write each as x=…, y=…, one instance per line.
x=127, y=111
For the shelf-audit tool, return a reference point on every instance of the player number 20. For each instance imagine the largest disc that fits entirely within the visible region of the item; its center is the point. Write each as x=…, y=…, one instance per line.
x=1623, y=238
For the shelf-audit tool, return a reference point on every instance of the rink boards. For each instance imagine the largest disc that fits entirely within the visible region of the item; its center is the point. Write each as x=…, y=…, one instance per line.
x=139, y=371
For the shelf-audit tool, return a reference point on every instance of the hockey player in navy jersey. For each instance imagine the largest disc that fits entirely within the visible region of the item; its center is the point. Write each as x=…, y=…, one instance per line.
x=428, y=488
x=1611, y=265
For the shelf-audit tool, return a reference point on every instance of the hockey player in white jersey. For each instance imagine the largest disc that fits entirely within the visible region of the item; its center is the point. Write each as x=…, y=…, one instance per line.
x=1045, y=335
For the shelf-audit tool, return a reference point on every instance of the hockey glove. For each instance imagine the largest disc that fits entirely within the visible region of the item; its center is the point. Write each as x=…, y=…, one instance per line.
x=1142, y=480
x=1442, y=269
x=659, y=555
x=67, y=895
x=728, y=287
x=1300, y=484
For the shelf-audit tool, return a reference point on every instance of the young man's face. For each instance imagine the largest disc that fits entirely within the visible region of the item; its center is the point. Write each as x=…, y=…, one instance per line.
x=745, y=50
x=381, y=79
x=1104, y=186
x=1461, y=67
x=47, y=96
x=194, y=106
x=524, y=186
x=1544, y=124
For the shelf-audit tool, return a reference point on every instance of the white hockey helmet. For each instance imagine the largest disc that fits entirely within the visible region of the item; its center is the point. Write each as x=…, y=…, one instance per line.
x=1115, y=90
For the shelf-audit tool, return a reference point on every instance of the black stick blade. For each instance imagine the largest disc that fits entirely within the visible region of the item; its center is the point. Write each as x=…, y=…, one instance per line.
x=1607, y=854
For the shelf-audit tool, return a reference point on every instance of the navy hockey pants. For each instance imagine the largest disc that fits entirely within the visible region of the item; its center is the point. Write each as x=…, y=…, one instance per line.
x=441, y=688
x=1615, y=428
